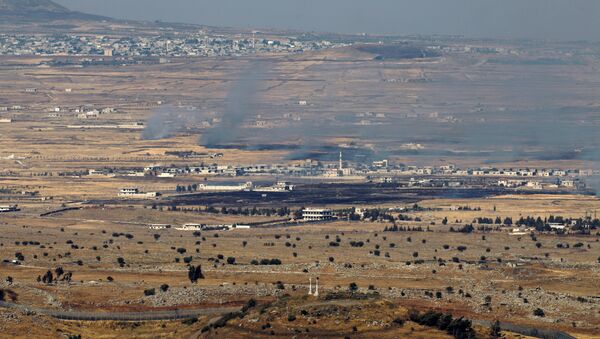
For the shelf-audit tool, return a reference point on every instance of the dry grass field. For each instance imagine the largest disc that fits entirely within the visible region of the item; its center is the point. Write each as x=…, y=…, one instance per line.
x=513, y=271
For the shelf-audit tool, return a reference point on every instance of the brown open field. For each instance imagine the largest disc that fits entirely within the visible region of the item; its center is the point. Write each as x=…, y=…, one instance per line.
x=514, y=269
x=443, y=104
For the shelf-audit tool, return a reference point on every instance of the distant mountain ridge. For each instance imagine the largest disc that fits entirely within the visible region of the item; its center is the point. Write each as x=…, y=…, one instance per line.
x=40, y=10
x=22, y=6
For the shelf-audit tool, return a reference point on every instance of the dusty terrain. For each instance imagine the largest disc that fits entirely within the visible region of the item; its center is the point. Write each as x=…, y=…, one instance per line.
x=518, y=275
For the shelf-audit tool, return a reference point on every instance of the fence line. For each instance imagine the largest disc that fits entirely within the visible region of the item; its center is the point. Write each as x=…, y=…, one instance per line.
x=121, y=316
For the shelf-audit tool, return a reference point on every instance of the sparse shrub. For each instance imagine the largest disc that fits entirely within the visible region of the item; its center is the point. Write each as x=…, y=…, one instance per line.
x=195, y=273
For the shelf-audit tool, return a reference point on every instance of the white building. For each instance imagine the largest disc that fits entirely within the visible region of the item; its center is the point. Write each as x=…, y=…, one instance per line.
x=317, y=214
x=226, y=188
x=135, y=193
x=567, y=183
x=557, y=226
x=536, y=185
x=88, y=115
x=280, y=186
x=8, y=208
x=380, y=164
x=159, y=226
x=190, y=227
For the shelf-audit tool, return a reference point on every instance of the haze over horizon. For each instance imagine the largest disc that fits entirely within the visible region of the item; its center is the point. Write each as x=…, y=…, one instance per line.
x=531, y=19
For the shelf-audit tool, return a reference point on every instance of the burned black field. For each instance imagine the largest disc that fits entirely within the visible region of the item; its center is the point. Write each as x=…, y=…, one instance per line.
x=331, y=194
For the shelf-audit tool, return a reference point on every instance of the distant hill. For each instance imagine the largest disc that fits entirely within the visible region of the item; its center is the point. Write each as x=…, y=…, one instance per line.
x=22, y=6
x=39, y=10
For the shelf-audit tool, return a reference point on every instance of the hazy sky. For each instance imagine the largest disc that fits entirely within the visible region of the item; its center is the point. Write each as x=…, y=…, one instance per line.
x=545, y=19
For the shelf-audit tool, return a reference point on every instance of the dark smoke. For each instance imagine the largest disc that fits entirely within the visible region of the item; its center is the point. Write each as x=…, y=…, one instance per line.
x=241, y=102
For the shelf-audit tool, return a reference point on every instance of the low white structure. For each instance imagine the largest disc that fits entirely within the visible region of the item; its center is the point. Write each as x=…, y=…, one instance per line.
x=567, y=183
x=226, y=188
x=519, y=231
x=280, y=186
x=8, y=208
x=557, y=226
x=135, y=193
x=381, y=164
x=190, y=227
x=317, y=214
x=536, y=185
x=241, y=227
x=159, y=226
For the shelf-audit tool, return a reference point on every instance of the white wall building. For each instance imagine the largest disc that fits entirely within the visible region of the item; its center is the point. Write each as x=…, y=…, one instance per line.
x=317, y=214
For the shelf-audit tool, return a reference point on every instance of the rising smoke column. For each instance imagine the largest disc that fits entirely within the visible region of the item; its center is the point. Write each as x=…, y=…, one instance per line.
x=161, y=124
x=241, y=101
x=167, y=120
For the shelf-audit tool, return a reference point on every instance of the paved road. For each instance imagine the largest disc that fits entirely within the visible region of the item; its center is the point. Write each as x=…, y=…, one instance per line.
x=122, y=316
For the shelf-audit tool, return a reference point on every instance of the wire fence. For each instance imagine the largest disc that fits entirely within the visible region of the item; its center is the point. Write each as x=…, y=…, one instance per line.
x=193, y=313
x=528, y=331
x=121, y=316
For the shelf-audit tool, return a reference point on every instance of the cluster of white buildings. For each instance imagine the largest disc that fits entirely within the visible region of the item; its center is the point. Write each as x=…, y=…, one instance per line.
x=381, y=171
x=181, y=45
x=82, y=112
x=451, y=170
x=538, y=185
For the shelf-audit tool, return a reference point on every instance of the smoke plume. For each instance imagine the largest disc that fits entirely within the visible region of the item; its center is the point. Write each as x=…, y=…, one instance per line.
x=240, y=103
x=167, y=120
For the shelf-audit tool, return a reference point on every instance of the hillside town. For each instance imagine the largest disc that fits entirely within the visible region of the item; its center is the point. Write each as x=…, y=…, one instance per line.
x=199, y=44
